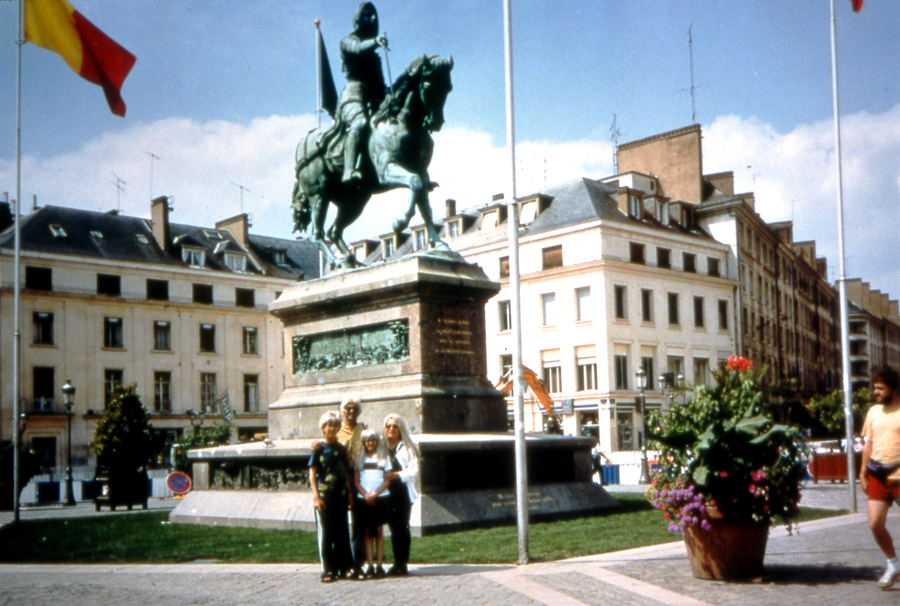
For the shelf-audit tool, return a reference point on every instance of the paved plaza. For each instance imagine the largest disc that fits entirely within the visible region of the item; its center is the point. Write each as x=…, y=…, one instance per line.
x=825, y=562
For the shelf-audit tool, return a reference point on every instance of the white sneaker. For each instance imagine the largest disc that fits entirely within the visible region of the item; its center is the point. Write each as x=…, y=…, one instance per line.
x=890, y=576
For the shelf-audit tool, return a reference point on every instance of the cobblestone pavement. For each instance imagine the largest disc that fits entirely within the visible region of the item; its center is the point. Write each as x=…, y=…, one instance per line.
x=825, y=562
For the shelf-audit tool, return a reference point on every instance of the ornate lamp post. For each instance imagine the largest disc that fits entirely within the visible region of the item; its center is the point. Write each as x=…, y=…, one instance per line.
x=68, y=391
x=641, y=376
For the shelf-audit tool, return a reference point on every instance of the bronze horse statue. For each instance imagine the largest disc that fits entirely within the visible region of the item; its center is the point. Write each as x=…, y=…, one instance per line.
x=399, y=150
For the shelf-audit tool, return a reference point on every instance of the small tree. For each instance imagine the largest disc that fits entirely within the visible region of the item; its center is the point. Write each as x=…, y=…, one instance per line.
x=122, y=440
x=29, y=466
x=829, y=410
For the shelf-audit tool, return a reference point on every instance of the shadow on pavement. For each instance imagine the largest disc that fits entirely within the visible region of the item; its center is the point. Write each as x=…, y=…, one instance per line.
x=821, y=574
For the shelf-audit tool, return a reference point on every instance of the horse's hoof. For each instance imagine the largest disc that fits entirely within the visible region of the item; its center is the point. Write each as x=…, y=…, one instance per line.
x=399, y=225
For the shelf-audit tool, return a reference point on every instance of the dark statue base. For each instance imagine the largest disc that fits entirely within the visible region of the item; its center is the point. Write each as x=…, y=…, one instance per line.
x=408, y=338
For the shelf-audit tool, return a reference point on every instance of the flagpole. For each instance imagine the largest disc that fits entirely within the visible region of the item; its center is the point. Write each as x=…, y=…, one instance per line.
x=318, y=73
x=515, y=288
x=842, y=280
x=17, y=337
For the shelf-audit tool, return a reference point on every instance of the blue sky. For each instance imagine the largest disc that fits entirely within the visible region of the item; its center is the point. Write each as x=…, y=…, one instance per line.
x=223, y=91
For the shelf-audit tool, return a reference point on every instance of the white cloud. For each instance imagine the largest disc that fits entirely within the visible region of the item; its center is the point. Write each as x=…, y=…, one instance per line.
x=794, y=178
x=791, y=173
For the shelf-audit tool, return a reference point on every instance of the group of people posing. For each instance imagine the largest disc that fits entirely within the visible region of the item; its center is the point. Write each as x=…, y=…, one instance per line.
x=374, y=475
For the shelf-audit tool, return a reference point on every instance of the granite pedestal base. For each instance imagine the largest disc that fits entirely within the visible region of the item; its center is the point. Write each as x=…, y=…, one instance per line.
x=466, y=480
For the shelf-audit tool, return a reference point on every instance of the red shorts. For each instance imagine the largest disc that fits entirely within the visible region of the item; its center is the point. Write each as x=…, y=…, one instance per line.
x=887, y=490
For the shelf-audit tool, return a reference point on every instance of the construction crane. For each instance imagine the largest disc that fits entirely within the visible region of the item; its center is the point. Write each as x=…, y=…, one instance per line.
x=539, y=389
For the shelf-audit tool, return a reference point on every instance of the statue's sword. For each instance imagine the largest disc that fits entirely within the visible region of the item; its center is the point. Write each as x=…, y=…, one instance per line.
x=387, y=63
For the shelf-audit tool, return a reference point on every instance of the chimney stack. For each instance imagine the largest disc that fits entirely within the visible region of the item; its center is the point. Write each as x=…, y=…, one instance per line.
x=239, y=226
x=450, y=207
x=159, y=218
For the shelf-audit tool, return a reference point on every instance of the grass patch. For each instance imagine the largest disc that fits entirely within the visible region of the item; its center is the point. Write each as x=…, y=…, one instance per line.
x=149, y=538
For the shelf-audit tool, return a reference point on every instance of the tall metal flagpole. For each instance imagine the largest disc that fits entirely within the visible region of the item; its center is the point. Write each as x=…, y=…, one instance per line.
x=515, y=287
x=17, y=337
x=842, y=280
x=318, y=73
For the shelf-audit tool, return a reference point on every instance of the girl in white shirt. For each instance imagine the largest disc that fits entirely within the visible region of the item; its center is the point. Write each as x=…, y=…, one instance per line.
x=372, y=503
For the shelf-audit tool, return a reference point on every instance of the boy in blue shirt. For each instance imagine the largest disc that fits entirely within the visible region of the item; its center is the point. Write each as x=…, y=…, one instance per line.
x=329, y=477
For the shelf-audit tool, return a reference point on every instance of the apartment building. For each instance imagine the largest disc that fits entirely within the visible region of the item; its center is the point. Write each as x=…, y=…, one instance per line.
x=874, y=333
x=180, y=310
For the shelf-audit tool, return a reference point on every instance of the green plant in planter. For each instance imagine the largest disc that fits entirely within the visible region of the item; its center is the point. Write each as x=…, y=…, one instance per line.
x=723, y=452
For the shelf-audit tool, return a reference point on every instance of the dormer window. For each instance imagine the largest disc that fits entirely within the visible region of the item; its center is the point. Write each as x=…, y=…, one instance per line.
x=280, y=257
x=195, y=257
x=528, y=212
x=420, y=241
x=58, y=231
x=663, y=209
x=453, y=228
x=387, y=247
x=489, y=220
x=236, y=262
x=634, y=206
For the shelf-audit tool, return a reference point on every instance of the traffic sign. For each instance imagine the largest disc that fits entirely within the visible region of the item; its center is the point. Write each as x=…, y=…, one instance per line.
x=179, y=482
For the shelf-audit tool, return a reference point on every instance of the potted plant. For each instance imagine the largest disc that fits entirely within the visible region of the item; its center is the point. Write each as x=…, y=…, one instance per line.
x=727, y=470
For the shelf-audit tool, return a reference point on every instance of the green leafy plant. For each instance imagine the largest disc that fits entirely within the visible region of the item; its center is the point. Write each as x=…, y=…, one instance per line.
x=122, y=440
x=829, y=410
x=201, y=437
x=724, y=450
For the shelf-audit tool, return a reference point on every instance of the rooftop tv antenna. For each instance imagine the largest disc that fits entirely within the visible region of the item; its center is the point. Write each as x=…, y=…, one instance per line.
x=243, y=189
x=691, y=56
x=120, y=187
x=152, y=158
x=614, y=136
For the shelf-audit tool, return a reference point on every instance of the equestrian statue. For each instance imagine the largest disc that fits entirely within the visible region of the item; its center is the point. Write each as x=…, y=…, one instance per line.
x=380, y=141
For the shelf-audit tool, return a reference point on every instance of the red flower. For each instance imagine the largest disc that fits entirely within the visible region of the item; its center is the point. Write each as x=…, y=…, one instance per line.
x=739, y=363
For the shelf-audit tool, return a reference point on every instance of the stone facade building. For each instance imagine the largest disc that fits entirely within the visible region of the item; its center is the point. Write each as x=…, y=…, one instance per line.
x=874, y=332
x=660, y=267
x=180, y=310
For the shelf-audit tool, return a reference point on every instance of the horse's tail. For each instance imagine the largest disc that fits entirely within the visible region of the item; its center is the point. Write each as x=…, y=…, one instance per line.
x=302, y=210
x=306, y=152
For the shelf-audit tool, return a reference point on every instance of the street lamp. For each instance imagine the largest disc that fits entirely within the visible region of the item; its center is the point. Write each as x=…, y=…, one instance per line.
x=641, y=376
x=196, y=418
x=68, y=391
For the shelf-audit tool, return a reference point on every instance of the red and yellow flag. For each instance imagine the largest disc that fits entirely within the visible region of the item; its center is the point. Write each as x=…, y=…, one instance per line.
x=56, y=26
x=857, y=5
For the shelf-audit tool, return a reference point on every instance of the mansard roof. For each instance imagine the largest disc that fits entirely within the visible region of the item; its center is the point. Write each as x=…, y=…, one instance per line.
x=73, y=232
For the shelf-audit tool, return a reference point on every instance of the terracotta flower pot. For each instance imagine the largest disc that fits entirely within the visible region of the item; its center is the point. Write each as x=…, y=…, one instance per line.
x=731, y=550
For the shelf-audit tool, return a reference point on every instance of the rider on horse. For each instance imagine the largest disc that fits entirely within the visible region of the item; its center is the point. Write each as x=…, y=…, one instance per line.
x=365, y=87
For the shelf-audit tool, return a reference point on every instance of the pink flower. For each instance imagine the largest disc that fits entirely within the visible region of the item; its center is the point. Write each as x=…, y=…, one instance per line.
x=752, y=489
x=758, y=476
x=723, y=474
x=739, y=363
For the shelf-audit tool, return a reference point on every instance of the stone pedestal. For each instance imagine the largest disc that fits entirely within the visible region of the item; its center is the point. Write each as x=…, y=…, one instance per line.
x=405, y=337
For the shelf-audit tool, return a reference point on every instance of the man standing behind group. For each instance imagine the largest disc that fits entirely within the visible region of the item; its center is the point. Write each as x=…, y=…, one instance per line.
x=365, y=87
x=880, y=474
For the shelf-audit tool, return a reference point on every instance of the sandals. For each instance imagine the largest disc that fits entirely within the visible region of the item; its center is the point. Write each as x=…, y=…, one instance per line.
x=328, y=577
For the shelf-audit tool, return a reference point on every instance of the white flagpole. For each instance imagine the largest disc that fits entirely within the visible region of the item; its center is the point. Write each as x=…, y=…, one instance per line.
x=842, y=280
x=515, y=288
x=17, y=337
x=318, y=74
